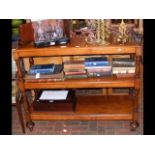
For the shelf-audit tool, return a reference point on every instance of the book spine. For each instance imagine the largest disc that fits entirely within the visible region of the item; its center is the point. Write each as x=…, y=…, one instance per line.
x=108, y=68
x=123, y=71
x=123, y=64
x=93, y=63
x=75, y=73
x=75, y=76
x=96, y=67
x=99, y=74
x=46, y=71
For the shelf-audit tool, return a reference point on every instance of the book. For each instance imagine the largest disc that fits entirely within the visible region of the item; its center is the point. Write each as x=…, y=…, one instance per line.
x=103, y=69
x=123, y=68
x=73, y=65
x=76, y=76
x=32, y=77
x=75, y=73
x=123, y=62
x=99, y=74
x=96, y=61
x=96, y=67
x=87, y=64
x=123, y=59
x=125, y=75
x=75, y=62
x=123, y=71
x=42, y=69
x=46, y=69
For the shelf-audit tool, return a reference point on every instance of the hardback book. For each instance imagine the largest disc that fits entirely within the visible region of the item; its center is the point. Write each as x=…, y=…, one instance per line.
x=73, y=70
x=123, y=68
x=96, y=67
x=123, y=59
x=76, y=76
x=96, y=61
x=75, y=73
x=99, y=74
x=42, y=69
x=54, y=77
x=125, y=75
x=123, y=71
x=75, y=62
x=103, y=69
x=46, y=69
x=73, y=65
x=123, y=62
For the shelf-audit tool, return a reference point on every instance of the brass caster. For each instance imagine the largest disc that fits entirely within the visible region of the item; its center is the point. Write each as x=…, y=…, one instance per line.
x=134, y=125
x=30, y=125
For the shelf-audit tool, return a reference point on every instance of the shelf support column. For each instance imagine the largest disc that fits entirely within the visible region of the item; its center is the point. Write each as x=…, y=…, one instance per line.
x=134, y=124
x=20, y=81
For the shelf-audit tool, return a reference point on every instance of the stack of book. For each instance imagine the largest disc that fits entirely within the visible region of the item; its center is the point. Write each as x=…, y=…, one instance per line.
x=123, y=67
x=97, y=67
x=74, y=69
x=46, y=71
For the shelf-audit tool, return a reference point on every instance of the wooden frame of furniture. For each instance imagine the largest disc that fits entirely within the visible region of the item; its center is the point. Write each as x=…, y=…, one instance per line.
x=100, y=107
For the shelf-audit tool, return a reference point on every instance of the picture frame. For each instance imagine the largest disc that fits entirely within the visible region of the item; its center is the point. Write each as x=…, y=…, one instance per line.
x=50, y=29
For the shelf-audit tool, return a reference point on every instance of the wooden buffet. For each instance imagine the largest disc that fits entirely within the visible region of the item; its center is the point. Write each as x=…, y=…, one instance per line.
x=92, y=107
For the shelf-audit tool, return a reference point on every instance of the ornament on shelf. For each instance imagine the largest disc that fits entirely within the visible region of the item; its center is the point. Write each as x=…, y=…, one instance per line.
x=98, y=31
x=90, y=32
x=122, y=36
x=103, y=32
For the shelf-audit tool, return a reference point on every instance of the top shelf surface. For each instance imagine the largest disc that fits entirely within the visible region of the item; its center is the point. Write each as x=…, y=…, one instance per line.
x=77, y=46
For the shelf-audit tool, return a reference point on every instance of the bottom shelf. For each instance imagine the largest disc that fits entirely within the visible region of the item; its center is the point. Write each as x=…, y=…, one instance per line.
x=92, y=108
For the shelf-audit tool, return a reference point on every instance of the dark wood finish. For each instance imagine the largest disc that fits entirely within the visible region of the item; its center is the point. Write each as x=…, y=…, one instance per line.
x=31, y=61
x=26, y=33
x=87, y=108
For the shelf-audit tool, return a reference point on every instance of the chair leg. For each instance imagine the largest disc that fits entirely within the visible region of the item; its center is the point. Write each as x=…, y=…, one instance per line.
x=19, y=110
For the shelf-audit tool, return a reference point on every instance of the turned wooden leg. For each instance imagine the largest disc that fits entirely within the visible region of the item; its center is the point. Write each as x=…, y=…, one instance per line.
x=134, y=125
x=30, y=125
x=21, y=86
x=19, y=110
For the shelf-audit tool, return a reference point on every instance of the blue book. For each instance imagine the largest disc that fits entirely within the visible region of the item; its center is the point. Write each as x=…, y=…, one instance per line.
x=42, y=69
x=96, y=61
x=91, y=64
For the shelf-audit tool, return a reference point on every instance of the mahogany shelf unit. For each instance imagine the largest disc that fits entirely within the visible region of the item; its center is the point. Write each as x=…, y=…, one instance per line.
x=92, y=107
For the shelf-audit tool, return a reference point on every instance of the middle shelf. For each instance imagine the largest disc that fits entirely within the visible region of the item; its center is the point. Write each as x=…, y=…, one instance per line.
x=101, y=82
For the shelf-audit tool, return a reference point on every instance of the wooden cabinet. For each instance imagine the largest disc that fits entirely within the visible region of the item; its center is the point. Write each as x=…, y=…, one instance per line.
x=92, y=107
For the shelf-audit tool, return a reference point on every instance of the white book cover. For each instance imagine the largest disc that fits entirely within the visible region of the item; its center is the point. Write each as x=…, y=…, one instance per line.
x=54, y=95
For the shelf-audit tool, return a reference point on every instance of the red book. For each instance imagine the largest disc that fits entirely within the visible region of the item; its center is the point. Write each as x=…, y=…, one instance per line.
x=75, y=73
